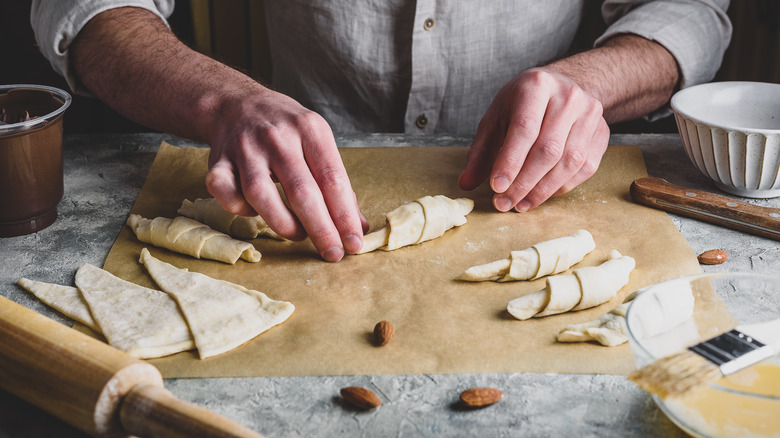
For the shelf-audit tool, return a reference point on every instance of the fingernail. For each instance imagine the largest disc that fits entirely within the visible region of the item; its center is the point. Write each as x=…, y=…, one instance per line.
x=352, y=243
x=523, y=206
x=298, y=236
x=333, y=255
x=502, y=203
x=500, y=184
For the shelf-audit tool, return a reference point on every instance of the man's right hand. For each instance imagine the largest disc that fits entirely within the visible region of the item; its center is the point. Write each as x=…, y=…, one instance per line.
x=266, y=137
x=130, y=59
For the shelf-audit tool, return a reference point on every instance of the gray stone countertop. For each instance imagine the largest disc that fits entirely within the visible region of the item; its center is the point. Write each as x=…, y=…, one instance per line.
x=103, y=175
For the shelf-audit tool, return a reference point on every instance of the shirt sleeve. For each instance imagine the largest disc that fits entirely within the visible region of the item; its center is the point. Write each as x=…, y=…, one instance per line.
x=695, y=32
x=57, y=22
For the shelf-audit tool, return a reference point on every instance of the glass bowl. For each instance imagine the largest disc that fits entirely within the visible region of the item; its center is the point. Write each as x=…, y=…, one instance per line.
x=744, y=404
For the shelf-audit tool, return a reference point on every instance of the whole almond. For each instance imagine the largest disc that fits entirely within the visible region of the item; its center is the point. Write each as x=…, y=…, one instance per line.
x=383, y=332
x=360, y=398
x=713, y=257
x=479, y=397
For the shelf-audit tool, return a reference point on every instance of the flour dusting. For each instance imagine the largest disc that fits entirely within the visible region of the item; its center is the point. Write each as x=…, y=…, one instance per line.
x=474, y=246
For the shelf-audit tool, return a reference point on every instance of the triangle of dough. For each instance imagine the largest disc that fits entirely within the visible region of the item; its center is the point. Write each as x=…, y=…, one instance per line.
x=142, y=322
x=66, y=299
x=221, y=315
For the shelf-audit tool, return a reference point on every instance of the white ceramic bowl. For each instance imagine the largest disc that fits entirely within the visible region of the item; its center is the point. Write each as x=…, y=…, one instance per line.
x=746, y=404
x=731, y=133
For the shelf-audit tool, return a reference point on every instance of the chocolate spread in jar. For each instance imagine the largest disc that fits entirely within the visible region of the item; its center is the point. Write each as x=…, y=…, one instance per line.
x=31, y=172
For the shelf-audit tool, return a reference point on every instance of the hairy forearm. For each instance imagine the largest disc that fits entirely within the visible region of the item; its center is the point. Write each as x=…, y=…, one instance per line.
x=629, y=75
x=128, y=58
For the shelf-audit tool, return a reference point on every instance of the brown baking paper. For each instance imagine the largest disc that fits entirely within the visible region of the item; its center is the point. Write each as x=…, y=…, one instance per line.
x=441, y=325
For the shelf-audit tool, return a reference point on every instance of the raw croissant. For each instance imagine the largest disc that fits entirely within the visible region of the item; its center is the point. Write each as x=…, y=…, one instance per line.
x=210, y=212
x=609, y=329
x=583, y=288
x=187, y=236
x=424, y=219
x=544, y=258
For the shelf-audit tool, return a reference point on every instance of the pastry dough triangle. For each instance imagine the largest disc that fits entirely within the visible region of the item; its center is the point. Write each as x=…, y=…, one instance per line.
x=221, y=315
x=142, y=322
x=66, y=299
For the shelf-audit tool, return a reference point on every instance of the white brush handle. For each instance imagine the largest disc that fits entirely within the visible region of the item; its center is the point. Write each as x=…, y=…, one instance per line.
x=766, y=332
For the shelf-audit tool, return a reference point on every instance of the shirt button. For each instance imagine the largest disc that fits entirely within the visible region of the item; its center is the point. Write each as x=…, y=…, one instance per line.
x=428, y=25
x=421, y=121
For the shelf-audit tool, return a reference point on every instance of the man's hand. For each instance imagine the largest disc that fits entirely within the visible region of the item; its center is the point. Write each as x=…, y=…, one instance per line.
x=546, y=130
x=542, y=135
x=128, y=58
x=270, y=137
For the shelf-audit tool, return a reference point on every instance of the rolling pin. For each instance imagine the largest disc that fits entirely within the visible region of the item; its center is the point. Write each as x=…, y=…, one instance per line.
x=93, y=386
x=709, y=207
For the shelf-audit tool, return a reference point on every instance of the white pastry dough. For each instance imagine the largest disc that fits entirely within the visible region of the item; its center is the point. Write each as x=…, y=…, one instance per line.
x=66, y=299
x=544, y=258
x=187, y=236
x=221, y=315
x=609, y=330
x=416, y=222
x=583, y=288
x=210, y=212
x=142, y=322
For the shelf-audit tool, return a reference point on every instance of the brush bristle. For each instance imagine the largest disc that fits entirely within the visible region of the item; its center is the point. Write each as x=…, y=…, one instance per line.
x=675, y=375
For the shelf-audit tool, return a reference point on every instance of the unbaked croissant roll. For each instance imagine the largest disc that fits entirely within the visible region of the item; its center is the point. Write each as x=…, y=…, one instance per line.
x=187, y=236
x=583, y=288
x=544, y=258
x=210, y=212
x=424, y=219
x=608, y=330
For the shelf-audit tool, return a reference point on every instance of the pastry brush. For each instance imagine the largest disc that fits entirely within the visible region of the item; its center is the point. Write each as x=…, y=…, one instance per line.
x=703, y=363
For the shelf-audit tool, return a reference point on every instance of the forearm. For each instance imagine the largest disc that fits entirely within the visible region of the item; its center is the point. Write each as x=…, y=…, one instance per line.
x=629, y=75
x=128, y=58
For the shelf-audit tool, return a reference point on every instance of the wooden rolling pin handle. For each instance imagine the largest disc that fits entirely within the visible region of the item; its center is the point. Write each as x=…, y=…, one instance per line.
x=93, y=386
x=152, y=411
x=709, y=207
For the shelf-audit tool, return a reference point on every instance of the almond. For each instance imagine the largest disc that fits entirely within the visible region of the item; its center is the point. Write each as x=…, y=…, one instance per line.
x=383, y=332
x=712, y=257
x=360, y=398
x=478, y=397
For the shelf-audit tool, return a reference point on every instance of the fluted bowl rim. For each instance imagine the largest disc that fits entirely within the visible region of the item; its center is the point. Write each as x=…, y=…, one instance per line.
x=731, y=105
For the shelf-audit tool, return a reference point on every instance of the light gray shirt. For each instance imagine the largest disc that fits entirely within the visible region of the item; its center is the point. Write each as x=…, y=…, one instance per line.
x=423, y=66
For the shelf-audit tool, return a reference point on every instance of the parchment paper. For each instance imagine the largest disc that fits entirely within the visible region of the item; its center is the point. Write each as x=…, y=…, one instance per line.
x=442, y=325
